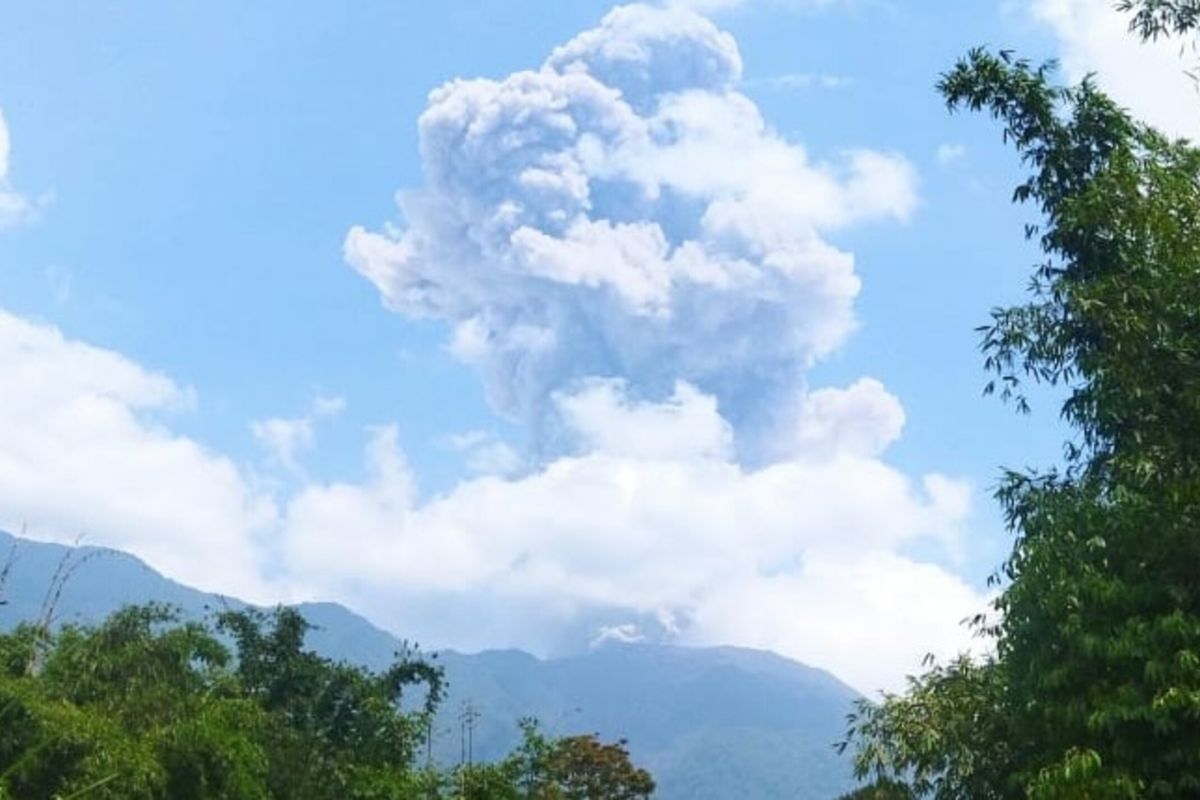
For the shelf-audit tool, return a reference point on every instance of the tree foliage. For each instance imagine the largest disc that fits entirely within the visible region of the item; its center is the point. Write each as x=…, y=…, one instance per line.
x=1152, y=19
x=1094, y=688
x=569, y=768
x=148, y=707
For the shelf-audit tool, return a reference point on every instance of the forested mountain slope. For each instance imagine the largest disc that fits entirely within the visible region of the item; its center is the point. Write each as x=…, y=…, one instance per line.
x=708, y=722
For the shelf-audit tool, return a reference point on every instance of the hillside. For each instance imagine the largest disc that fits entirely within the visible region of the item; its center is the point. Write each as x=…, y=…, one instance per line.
x=708, y=722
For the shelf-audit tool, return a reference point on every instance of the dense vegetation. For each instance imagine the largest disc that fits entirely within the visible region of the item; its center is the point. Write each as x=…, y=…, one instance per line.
x=1093, y=690
x=707, y=722
x=148, y=706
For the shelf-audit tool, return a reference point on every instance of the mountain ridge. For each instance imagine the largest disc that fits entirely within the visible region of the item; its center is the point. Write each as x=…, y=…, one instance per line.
x=710, y=723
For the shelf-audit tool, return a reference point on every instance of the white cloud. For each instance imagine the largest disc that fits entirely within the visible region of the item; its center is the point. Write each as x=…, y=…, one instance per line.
x=486, y=454
x=287, y=438
x=792, y=614
x=801, y=556
x=628, y=633
x=284, y=438
x=15, y=209
x=686, y=426
x=84, y=451
x=651, y=528
x=624, y=211
x=861, y=420
x=495, y=458
x=1147, y=78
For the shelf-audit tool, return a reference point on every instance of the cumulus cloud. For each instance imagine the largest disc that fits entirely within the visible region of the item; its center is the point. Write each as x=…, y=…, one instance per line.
x=1148, y=78
x=625, y=212
x=606, y=421
x=652, y=521
x=85, y=451
x=15, y=209
x=861, y=420
x=649, y=529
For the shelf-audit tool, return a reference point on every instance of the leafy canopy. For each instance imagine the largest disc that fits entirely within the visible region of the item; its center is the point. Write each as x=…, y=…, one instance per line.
x=1094, y=687
x=148, y=707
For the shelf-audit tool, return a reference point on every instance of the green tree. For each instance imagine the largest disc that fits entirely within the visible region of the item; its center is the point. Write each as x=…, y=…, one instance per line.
x=1094, y=690
x=139, y=707
x=586, y=768
x=1157, y=18
x=578, y=767
x=148, y=707
x=945, y=738
x=335, y=729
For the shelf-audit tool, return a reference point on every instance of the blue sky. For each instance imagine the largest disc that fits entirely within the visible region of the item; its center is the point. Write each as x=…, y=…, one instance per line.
x=196, y=342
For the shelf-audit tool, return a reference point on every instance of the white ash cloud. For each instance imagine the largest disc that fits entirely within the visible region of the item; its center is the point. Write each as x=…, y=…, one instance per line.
x=624, y=212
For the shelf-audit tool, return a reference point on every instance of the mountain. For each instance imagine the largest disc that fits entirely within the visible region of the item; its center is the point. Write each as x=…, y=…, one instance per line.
x=710, y=723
